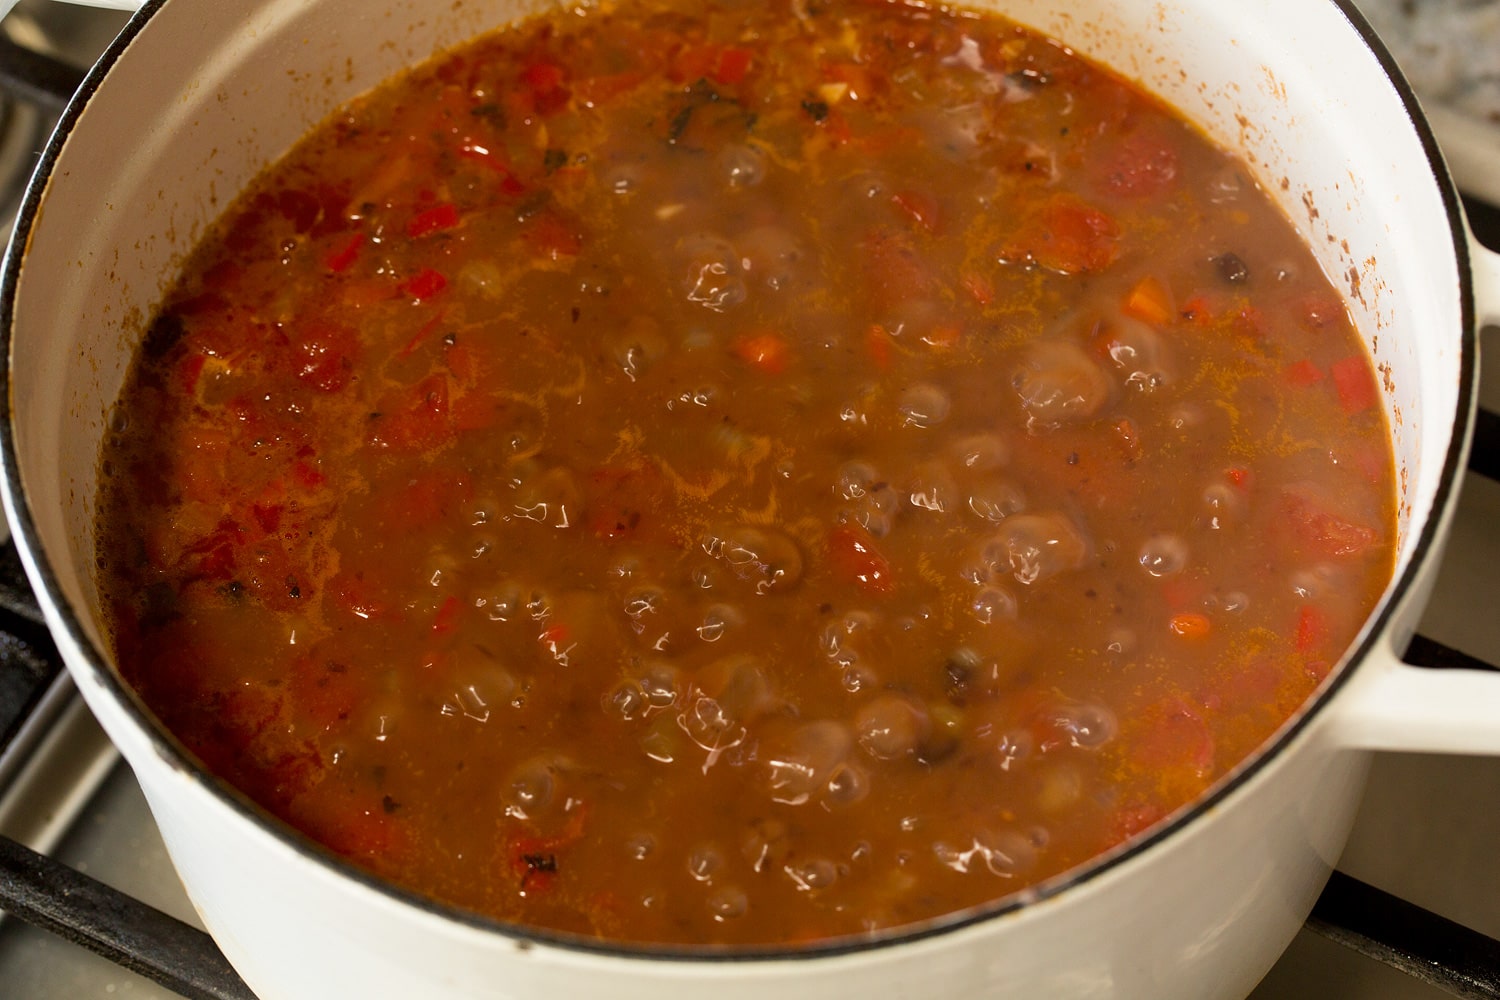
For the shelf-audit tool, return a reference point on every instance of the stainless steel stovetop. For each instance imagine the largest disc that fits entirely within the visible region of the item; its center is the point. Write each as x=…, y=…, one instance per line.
x=1428, y=832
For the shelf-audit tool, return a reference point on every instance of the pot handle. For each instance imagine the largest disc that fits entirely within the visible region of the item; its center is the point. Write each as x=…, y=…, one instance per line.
x=1390, y=704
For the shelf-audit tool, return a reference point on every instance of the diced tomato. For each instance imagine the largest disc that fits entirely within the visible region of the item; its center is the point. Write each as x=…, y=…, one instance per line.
x=1317, y=311
x=306, y=476
x=1302, y=374
x=362, y=830
x=1176, y=736
x=895, y=272
x=1319, y=527
x=1140, y=166
x=1129, y=439
x=324, y=690
x=446, y=619
x=353, y=592
x=918, y=206
x=188, y=372
x=431, y=220
x=1183, y=592
x=853, y=557
x=267, y=516
x=765, y=351
x=420, y=423
x=1068, y=236
x=1133, y=819
x=344, y=256
x=544, y=82
x=732, y=65
x=979, y=287
x=425, y=500
x=543, y=76
x=202, y=473
x=550, y=235
x=1355, y=384
x=510, y=184
x=424, y=332
x=878, y=346
x=596, y=90
x=425, y=284
x=325, y=354
x=1312, y=629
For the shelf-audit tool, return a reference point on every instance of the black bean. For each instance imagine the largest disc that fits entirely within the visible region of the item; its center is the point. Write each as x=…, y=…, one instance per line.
x=1232, y=269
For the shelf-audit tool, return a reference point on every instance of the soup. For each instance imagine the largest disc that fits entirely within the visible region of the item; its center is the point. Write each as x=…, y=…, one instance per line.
x=742, y=473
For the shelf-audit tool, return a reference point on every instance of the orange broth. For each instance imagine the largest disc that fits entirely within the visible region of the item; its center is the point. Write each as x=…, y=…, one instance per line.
x=742, y=472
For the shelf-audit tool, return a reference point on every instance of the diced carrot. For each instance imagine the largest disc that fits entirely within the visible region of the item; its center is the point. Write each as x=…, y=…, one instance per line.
x=1355, y=384
x=943, y=336
x=1150, y=302
x=1190, y=625
x=766, y=351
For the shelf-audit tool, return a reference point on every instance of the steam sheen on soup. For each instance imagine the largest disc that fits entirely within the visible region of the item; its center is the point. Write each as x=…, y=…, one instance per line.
x=742, y=472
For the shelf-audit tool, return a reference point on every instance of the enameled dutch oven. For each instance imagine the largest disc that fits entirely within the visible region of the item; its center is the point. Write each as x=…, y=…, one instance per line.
x=198, y=95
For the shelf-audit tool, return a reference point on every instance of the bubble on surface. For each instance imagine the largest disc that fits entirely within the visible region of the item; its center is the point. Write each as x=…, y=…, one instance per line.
x=1058, y=384
x=924, y=405
x=1037, y=546
x=891, y=725
x=742, y=164
x=798, y=764
x=1164, y=555
x=993, y=604
x=727, y=903
x=766, y=558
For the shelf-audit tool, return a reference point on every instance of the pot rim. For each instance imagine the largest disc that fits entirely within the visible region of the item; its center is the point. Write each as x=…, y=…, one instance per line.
x=181, y=760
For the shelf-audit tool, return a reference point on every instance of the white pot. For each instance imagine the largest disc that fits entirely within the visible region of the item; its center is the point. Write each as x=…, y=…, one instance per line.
x=198, y=95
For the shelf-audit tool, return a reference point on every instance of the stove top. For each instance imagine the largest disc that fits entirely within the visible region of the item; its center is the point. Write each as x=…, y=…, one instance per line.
x=1427, y=833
